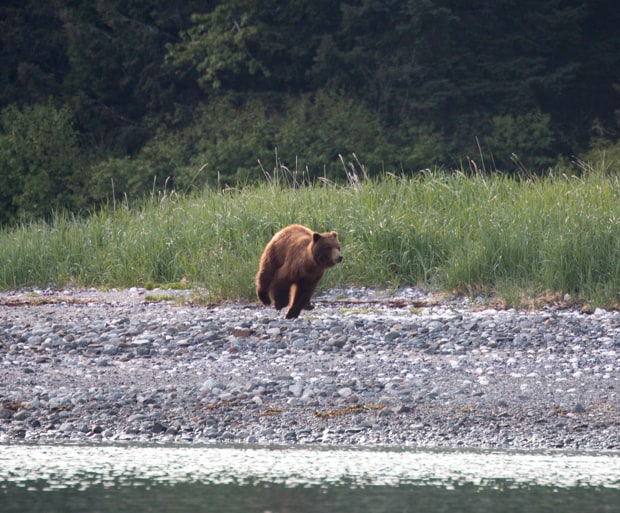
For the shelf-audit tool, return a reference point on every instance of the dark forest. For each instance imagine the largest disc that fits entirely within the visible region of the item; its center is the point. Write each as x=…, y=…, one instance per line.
x=125, y=98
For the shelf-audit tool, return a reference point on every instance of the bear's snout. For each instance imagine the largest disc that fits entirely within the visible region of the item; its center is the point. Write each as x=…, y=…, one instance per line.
x=339, y=259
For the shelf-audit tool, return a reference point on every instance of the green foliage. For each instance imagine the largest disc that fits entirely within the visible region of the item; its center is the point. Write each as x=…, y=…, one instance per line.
x=224, y=143
x=516, y=239
x=603, y=157
x=215, y=149
x=39, y=162
x=247, y=46
x=33, y=52
x=322, y=129
x=182, y=93
x=217, y=42
x=523, y=140
x=311, y=136
x=117, y=83
x=119, y=180
x=423, y=147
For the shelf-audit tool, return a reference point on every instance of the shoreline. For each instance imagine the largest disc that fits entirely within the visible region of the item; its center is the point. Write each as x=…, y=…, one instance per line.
x=365, y=368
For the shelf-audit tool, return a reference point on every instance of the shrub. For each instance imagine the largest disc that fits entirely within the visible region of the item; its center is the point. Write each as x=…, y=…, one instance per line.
x=521, y=143
x=40, y=162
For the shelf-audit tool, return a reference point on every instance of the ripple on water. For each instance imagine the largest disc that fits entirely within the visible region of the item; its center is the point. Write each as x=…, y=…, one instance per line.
x=71, y=465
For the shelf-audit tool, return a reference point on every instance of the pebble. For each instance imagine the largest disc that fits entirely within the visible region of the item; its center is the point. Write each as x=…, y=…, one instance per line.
x=365, y=367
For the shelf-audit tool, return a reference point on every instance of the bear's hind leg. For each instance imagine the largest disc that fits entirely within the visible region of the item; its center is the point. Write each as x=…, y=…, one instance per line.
x=263, y=281
x=263, y=295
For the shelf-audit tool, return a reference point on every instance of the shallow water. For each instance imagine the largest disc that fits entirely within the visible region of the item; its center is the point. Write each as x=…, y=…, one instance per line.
x=96, y=478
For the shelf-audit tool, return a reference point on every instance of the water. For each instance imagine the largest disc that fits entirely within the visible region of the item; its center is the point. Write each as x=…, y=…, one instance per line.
x=128, y=478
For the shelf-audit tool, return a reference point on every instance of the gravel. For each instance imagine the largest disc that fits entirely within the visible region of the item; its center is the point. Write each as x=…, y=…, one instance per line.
x=364, y=368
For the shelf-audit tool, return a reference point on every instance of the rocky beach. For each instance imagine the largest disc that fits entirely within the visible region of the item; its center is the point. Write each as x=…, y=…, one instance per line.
x=364, y=368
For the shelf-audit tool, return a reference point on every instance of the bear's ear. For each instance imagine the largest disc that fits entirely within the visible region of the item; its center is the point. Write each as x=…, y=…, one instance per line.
x=316, y=236
x=334, y=234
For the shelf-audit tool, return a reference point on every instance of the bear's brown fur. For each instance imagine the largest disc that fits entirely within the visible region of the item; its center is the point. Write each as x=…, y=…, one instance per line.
x=291, y=266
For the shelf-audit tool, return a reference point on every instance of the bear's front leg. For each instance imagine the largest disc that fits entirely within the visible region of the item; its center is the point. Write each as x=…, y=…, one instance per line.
x=281, y=295
x=301, y=293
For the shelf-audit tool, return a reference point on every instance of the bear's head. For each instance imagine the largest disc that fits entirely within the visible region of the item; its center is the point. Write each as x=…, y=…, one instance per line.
x=326, y=249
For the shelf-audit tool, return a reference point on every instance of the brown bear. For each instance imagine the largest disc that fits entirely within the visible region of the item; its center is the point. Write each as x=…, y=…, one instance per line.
x=291, y=266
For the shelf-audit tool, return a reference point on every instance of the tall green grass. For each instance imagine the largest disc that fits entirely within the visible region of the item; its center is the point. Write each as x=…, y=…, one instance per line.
x=517, y=239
